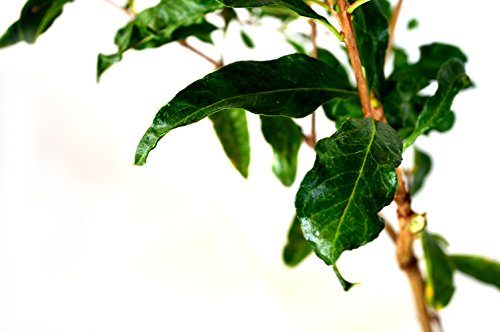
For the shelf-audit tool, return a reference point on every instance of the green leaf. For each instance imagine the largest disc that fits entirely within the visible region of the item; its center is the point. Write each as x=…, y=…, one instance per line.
x=335, y=68
x=297, y=6
x=247, y=40
x=228, y=15
x=340, y=110
x=403, y=104
x=412, y=24
x=156, y=26
x=346, y=285
x=439, y=286
x=285, y=137
x=372, y=36
x=434, y=56
x=36, y=17
x=232, y=130
x=296, y=248
x=352, y=179
x=281, y=13
x=451, y=80
x=421, y=168
x=480, y=268
x=293, y=85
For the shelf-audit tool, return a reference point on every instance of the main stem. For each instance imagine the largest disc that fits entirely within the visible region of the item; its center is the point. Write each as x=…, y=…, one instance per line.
x=404, y=240
x=352, y=49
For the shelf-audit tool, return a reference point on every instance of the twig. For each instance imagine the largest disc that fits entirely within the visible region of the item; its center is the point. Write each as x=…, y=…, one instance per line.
x=216, y=63
x=390, y=230
x=352, y=49
x=130, y=13
x=392, y=28
x=311, y=139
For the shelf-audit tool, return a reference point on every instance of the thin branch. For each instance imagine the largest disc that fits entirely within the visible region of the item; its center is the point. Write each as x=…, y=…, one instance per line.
x=392, y=28
x=130, y=13
x=352, y=49
x=216, y=63
x=312, y=138
x=390, y=230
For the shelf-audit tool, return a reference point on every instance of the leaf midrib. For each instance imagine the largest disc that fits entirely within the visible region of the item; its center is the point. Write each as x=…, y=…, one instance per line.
x=214, y=105
x=351, y=197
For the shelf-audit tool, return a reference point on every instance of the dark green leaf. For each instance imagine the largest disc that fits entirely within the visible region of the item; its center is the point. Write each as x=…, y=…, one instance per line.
x=36, y=17
x=402, y=104
x=166, y=22
x=352, y=179
x=339, y=110
x=285, y=137
x=247, y=40
x=385, y=6
x=451, y=80
x=228, y=15
x=421, y=168
x=480, y=268
x=434, y=56
x=439, y=286
x=412, y=24
x=232, y=130
x=400, y=58
x=293, y=85
x=346, y=285
x=299, y=48
x=335, y=68
x=372, y=36
x=297, y=6
x=296, y=248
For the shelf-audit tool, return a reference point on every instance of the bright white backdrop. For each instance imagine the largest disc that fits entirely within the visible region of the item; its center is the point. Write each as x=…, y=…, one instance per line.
x=89, y=242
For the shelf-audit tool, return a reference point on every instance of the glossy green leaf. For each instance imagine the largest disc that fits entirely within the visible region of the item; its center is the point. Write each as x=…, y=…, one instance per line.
x=232, y=130
x=352, y=179
x=296, y=248
x=297, y=6
x=451, y=80
x=293, y=85
x=422, y=165
x=36, y=17
x=166, y=22
x=372, y=36
x=439, y=286
x=247, y=40
x=285, y=137
x=480, y=268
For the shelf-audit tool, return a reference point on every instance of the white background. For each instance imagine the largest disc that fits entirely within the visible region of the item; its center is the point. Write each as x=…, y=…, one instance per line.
x=89, y=242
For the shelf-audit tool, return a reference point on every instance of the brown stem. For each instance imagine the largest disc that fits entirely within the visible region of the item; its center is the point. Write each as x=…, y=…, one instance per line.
x=391, y=231
x=352, y=49
x=130, y=13
x=392, y=28
x=311, y=139
x=216, y=63
x=404, y=252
